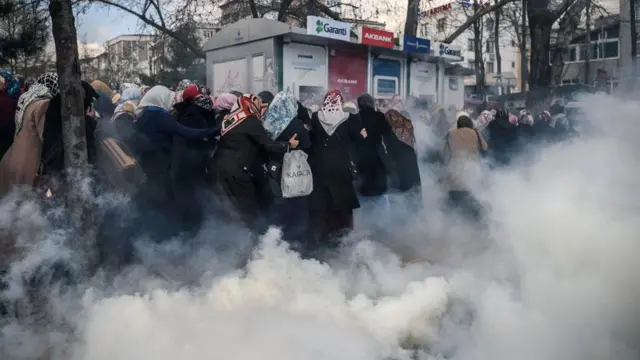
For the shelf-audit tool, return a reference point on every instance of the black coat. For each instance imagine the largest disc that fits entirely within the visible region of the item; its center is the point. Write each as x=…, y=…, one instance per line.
x=238, y=150
x=330, y=159
x=372, y=159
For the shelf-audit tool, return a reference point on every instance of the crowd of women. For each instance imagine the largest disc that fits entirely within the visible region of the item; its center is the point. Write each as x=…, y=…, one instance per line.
x=184, y=156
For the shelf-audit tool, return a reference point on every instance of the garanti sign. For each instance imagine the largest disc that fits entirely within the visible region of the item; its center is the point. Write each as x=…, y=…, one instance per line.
x=446, y=51
x=377, y=37
x=328, y=28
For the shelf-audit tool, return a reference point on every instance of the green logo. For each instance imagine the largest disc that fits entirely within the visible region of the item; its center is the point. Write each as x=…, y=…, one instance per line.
x=319, y=26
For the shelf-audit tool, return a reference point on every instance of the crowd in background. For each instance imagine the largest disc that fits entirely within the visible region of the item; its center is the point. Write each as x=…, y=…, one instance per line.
x=184, y=155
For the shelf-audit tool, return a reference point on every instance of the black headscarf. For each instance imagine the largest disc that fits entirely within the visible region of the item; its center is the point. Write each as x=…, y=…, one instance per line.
x=266, y=96
x=366, y=101
x=52, y=156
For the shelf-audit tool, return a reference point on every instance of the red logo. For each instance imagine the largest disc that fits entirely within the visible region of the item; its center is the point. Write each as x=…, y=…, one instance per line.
x=377, y=37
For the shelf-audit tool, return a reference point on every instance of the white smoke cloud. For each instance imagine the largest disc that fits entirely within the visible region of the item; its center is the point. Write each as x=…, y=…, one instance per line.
x=552, y=275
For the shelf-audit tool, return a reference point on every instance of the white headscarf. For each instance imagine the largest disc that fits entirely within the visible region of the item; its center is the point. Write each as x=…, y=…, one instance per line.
x=331, y=115
x=159, y=96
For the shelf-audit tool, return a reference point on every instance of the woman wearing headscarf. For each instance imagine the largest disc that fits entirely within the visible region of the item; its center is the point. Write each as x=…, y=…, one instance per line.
x=282, y=123
x=333, y=133
x=242, y=139
x=120, y=125
x=189, y=161
x=102, y=86
x=104, y=106
x=401, y=147
x=463, y=149
x=503, y=136
x=266, y=96
x=222, y=106
x=372, y=158
x=37, y=151
x=9, y=94
x=156, y=130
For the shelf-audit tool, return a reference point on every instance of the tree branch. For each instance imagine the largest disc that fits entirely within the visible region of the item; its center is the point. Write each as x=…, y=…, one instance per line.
x=193, y=47
x=480, y=13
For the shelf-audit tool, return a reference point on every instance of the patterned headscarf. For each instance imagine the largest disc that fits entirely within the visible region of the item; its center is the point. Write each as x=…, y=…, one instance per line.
x=9, y=84
x=225, y=101
x=183, y=84
x=246, y=105
x=331, y=115
x=282, y=110
x=45, y=87
x=203, y=101
x=402, y=127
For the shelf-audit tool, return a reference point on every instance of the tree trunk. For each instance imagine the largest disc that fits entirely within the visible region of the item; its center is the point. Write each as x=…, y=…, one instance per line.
x=634, y=42
x=524, y=68
x=587, y=60
x=253, y=8
x=477, y=53
x=413, y=13
x=541, y=20
x=567, y=27
x=496, y=44
x=73, y=122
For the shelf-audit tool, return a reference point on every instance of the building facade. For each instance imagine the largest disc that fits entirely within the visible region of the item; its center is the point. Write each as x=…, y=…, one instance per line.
x=594, y=57
x=129, y=57
x=160, y=48
x=441, y=18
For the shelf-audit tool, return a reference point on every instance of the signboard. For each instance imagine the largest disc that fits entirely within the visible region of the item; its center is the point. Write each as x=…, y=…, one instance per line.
x=416, y=45
x=377, y=37
x=447, y=51
x=305, y=72
x=386, y=77
x=348, y=72
x=328, y=28
x=437, y=9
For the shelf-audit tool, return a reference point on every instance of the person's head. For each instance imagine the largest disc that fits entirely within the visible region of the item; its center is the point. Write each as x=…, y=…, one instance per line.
x=204, y=102
x=224, y=101
x=236, y=93
x=266, y=96
x=130, y=94
x=463, y=120
x=158, y=96
x=333, y=98
x=183, y=84
x=100, y=85
x=366, y=101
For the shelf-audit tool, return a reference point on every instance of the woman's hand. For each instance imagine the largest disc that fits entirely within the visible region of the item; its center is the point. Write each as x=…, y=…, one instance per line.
x=363, y=132
x=293, y=142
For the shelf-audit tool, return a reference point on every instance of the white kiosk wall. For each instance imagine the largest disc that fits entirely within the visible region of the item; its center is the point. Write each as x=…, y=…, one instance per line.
x=422, y=79
x=305, y=71
x=230, y=76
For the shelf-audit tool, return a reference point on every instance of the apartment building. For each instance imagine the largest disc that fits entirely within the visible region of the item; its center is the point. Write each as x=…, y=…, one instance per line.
x=129, y=56
x=160, y=51
x=440, y=18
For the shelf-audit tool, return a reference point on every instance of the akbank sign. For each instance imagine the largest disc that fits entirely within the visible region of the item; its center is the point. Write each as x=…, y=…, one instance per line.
x=328, y=28
x=447, y=51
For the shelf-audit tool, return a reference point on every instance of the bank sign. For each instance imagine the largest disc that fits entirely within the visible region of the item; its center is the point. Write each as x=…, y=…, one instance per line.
x=447, y=51
x=377, y=37
x=328, y=28
x=416, y=45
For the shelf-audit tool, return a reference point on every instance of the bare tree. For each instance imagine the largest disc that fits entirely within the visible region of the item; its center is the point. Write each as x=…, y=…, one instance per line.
x=73, y=115
x=413, y=14
x=496, y=45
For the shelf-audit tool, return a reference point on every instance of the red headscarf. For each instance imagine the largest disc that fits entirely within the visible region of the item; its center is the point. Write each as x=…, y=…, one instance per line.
x=246, y=105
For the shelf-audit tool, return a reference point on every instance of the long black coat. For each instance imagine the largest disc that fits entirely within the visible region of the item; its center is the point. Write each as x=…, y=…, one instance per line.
x=372, y=160
x=238, y=150
x=329, y=158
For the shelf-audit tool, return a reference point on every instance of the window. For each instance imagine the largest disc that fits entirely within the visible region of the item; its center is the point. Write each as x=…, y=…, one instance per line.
x=513, y=64
x=573, y=54
x=208, y=34
x=637, y=3
x=471, y=64
x=610, y=50
x=470, y=43
x=489, y=47
x=513, y=43
x=489, y=67
x=442, y=23
x=425, y=30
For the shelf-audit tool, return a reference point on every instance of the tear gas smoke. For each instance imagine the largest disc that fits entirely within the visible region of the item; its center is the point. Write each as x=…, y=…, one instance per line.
x=552, y=275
